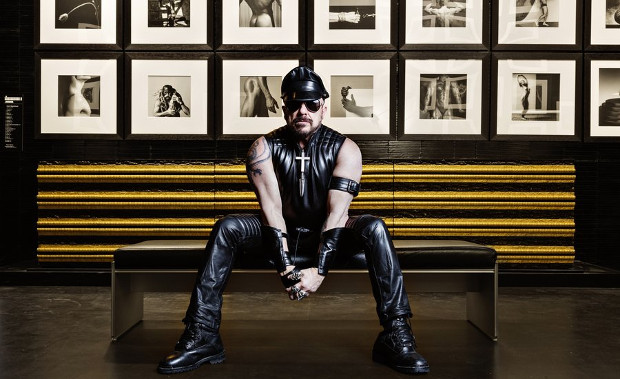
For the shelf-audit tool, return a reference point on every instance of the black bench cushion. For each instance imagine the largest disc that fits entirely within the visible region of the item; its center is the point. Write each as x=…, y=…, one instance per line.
x=412, y=254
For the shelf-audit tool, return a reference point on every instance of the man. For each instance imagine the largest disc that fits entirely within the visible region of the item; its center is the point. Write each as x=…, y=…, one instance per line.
x=305, y=176
x=443, y=12
x=258, y=100
x=169, y=103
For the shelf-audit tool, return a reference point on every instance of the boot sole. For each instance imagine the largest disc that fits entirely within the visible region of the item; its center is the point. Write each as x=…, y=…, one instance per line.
x=404, y=369
x=213, y=359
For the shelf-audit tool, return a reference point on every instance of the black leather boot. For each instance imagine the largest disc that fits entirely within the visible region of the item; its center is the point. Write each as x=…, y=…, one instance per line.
x=197, y=345
x=395, y=347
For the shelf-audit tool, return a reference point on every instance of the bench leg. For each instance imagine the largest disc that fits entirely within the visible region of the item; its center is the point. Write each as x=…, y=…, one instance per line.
x=127, y=305
x=482, y=305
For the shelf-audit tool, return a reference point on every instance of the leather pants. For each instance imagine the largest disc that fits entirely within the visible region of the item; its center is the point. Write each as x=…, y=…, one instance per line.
x=367, y=239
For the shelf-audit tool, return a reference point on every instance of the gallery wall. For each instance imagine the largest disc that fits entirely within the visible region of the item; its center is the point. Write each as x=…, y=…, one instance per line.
x=401, y=132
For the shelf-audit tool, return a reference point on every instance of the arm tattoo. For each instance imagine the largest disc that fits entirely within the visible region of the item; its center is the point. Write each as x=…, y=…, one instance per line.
x=258, y=153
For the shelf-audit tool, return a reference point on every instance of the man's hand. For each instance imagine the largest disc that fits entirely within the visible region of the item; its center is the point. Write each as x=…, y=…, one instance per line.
x=310, y=283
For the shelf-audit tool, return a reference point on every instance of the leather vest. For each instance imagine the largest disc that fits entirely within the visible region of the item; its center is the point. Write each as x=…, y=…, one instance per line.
x=310, y=209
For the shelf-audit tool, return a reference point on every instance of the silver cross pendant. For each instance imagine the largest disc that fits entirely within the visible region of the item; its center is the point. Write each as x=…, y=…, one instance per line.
x=302, y=172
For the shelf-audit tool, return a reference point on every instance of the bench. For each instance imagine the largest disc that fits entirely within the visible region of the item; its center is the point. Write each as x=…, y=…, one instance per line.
x=427, y=266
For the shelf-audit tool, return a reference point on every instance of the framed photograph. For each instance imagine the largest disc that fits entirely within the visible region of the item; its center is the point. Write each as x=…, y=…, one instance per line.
x=602, y=23
x=442, y=24
x=443, y=97
x=250, y=92
x=261, y=25
x=537, y=98
x=78, y=97
x=347, y=24
x=169, y=24
x=538, y=25
x=168, y=96
x=602, y=113
x=361, y=86
x=78, y=24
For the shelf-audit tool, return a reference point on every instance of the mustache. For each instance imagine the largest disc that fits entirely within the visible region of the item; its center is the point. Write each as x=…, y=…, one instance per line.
x=302, y=119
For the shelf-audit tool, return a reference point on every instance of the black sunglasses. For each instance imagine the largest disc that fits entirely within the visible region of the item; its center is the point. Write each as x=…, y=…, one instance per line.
x=311, y=105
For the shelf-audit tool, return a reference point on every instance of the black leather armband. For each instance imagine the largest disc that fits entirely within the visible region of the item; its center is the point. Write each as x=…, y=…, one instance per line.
x=345, y=185
x=291, y=278
x=272, y=241
x=328, y=248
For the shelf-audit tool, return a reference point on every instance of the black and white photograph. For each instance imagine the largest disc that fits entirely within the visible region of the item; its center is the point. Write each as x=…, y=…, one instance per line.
x=537, y=13
x=251, y=88
x=537, y=98
x=360, y=102
x=253, y=23
x=78, y=14
x=168, y=99
x=78, y=97
x=342, y=24
x=539, y=24
x=260, y=96
x=604, y=23
x=353, y=96
x=168, y=24
x=260, y=13
x=169, y=13
x=444, y=14
x=168, y=96
x=78, y=24
x=358, y=14
x=441, y=24
x=444, y=98
x=603, y=116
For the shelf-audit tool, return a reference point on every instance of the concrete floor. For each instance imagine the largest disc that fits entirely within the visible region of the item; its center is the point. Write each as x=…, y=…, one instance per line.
x=64, y=332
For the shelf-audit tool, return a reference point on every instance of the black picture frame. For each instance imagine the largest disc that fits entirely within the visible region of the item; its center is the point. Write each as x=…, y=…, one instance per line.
x=337, y=65
x=601, y=33
x=440, y=37
x=475, y=65
x=47, y=35
x=232, y=37
x=188, y=73
x=595, y=128
x=531, y=38
x=145, y=37
x=234, y=69
x=53, y=69
x=555, y=70
x=340, y=40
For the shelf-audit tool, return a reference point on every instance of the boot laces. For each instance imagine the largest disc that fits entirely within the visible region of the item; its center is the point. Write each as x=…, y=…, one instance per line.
x=401, y=333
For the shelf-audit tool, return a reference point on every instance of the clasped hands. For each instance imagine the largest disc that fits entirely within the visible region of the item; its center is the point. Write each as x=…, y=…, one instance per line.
x=309, y=282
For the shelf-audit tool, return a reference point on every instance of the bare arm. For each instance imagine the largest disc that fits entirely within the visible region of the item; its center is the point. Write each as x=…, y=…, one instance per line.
x=262, y=177
x=271, y=103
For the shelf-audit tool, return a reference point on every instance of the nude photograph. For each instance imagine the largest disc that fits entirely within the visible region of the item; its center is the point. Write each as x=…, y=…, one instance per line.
x=170, y=96
x=444, y=14
x=443, y=96
x=260, y=96
x=536, y=97
x=78, y=95
x=260, y=13
x=168, y=13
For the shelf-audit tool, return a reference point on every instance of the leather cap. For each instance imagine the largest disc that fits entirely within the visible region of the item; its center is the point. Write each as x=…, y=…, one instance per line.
x=301, y=83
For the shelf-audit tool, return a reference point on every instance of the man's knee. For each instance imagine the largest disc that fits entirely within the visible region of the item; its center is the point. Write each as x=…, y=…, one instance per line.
x=229, y=229
x=373, y=227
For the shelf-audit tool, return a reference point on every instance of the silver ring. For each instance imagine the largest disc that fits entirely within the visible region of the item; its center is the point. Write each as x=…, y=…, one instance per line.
x=295, y=290
x=301, y=294
x=295, y=276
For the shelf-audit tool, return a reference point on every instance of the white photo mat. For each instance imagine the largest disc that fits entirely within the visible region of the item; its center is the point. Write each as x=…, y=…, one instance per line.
x=470, y=34
x=49, y=34
x=232, y=72
x=141, y=97
x=232, y=33
x=602, y=89
x=52, y=123
x=379, y=69
x=507, y=87
x=141, y=33
x=379, y=35
x=563, y=12
x=600, y=15
x=471, y=125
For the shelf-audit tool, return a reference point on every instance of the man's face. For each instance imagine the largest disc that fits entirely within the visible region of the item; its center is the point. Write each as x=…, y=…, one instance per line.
x=166, y=92
x=303, y=121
